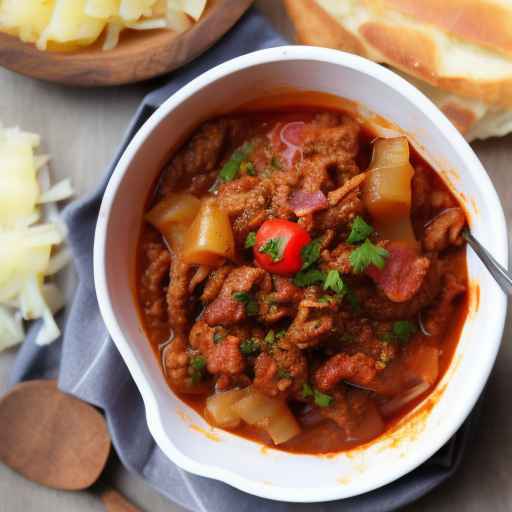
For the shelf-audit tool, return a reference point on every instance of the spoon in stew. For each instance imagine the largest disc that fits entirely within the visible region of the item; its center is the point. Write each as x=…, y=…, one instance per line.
x=502, y=276
x=56, y=440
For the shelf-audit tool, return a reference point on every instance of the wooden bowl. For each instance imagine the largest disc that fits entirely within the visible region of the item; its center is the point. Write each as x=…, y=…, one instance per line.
x=139, y=55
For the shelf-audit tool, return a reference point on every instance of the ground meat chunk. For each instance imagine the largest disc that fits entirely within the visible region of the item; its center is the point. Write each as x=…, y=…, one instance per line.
x=444, y=230
x=198, y=159
x=280, y=303
x=357, y=368
x=175, y=360
x=178, y=296
x=338, y=259
x=225, y=309
x=214, y=284
x=340, y=215
x=403, y=273
x=153, y=281
x=246, y=201
x=314, y=320
x=282, y=371
x=377, y=306
x=222, y=356
x=438, y=317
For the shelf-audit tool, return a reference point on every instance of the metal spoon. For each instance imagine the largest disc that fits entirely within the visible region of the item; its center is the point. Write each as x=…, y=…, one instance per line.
x=502, y=276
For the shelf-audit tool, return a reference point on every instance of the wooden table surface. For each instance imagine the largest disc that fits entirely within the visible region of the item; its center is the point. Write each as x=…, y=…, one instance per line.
x=81, y=130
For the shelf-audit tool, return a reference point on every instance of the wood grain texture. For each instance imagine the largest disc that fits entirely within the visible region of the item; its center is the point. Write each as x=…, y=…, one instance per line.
x=139, y=56
x=52, y=438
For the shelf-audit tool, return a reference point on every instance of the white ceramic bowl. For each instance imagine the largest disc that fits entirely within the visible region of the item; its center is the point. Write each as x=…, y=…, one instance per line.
x=183, y=435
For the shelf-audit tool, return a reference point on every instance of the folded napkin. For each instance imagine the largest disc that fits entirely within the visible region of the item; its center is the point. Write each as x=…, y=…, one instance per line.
x=89, y=366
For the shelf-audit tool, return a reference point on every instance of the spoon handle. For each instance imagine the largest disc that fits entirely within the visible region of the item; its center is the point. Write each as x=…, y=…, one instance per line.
x=116, y=502
x=500, y=274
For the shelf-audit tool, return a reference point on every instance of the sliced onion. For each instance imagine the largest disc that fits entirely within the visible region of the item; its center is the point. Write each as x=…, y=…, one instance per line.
x=303, y=203
x=399, y=402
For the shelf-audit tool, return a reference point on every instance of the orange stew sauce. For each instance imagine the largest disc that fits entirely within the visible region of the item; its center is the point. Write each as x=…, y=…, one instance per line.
x=320, y=434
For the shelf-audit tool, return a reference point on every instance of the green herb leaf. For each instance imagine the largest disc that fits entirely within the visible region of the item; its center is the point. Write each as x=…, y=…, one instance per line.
x=275, y=163
x=198, y=362
x=251, y=306
x=280, y=334
x=360, y=231
x=327, y=299
x=310, y=253
x=270, y=338
x=249, y=347
x=334, y=282
x=321, y=399
x=251, y=171
x=218, y=337
x=307, y=390
x=368, y=254
x=274, y=247
x=403, y=330
x=232, y=166
x=283, y=374
x=308, y=277
x=250, y=240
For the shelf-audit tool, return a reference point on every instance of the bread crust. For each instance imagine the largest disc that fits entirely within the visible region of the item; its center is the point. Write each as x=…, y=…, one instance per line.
x=475, y=107
x=410, y=37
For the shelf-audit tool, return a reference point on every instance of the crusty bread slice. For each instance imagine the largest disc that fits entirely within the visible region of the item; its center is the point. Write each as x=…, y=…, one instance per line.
x=404, y=35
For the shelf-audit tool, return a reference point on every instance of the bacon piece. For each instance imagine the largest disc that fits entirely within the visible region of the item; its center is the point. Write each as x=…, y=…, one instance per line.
x=303, y=203
x=403, y=273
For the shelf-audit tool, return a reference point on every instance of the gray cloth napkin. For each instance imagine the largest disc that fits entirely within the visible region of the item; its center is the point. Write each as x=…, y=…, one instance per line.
x=89, y=366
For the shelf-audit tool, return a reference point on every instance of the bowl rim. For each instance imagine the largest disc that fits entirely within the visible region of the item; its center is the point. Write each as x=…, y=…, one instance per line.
x=459, y=145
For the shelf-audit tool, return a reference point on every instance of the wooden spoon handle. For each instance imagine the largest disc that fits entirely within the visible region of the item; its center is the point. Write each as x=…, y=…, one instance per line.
x=116, y=502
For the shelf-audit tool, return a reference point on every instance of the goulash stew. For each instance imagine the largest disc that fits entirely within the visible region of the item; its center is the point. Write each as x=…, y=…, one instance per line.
x=303, y=282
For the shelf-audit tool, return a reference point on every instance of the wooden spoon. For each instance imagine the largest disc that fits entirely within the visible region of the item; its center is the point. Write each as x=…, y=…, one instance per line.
x=55, y=440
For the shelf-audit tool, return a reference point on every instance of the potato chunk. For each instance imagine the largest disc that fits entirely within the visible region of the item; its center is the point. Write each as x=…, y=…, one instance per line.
x=210, y=237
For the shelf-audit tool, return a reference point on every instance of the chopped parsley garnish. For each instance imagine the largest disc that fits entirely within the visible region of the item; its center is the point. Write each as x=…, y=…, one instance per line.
x=280, y=334
x=368, y=254
x=283, y=374
x=218, y=337
x=250, y=240
x=327, y=299
x=360, y=231
x=403, y=330
x=334, y=282
x=320, y=399
x=270, y=338
x=232, y=166
x=274, y=248
x=248, y=167
x=307, y=390
x=400, y=332
x=308, y=277
x=197, y=364
x=249, y=347
x=251, y=306
x=275, y=163
x=310, y=253
x=346, y=337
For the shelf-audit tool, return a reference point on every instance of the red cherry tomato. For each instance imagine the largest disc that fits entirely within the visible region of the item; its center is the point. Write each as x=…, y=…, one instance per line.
x=278, y=246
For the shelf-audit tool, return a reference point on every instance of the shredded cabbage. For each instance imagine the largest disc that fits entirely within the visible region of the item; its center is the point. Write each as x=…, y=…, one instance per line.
x=67, y=25
x=28, y=249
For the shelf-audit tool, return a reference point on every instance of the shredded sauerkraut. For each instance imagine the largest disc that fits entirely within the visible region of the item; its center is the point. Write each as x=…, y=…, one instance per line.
x=68, y=24
x=31, y=235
